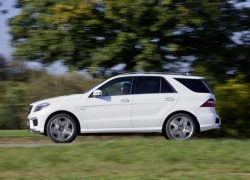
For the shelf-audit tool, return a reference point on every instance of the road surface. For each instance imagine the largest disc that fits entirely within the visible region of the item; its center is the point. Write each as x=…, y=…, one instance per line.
x=45, y=141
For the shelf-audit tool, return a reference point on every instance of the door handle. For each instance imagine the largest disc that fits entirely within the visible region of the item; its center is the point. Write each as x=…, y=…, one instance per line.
x=169, y=99
x=125, y=100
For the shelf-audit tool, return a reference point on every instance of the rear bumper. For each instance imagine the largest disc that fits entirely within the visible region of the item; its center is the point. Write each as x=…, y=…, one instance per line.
x=208, y=119
x=215, y=123
x=210, y=127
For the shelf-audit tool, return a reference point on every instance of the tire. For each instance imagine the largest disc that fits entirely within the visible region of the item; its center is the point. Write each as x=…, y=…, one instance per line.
x=62, y=128
x=180, y=126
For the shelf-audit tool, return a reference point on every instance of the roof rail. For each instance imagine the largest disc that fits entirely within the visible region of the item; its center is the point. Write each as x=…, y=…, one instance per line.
x=167, y=73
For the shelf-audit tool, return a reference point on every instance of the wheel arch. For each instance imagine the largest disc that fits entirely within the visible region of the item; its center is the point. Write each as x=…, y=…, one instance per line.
x=185, y=112
x=62, y=112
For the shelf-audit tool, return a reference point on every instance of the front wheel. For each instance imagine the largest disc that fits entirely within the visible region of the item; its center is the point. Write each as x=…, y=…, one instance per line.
x=180, y=127
x=61, y=128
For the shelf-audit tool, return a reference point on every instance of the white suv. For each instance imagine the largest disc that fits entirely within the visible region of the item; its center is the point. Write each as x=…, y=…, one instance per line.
x=176, y=105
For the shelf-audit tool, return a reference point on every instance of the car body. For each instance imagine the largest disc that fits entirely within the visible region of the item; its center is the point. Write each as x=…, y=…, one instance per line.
x=173, y=104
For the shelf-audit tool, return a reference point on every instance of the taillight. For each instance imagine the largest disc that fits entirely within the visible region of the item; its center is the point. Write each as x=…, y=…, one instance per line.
x=209, y=103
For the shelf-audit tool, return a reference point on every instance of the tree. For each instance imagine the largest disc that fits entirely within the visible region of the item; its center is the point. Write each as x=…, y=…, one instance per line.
x=2, y=68
x=144, y=34
x=50, y=30
x=2, y=62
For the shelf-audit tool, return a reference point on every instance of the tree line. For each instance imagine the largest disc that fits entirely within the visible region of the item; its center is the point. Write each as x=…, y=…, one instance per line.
x=147, y=35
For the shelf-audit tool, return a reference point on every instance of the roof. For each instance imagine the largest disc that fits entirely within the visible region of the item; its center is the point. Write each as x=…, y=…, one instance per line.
x=174, y=75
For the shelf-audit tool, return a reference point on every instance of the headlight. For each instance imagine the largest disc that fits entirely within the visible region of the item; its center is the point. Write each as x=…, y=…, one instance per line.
x=41, y=106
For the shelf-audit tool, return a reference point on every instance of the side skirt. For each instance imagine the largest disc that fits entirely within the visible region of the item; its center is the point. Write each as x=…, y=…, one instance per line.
x=122, y=130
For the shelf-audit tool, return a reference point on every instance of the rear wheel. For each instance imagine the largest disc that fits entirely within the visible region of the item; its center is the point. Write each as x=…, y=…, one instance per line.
x=62, y=128
x=180, y=126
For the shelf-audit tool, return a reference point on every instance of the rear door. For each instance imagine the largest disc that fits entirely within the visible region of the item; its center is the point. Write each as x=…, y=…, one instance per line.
x=153, y=96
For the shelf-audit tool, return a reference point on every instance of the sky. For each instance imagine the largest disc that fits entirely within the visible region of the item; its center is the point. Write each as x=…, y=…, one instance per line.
x=5, y=37
x=56, y=68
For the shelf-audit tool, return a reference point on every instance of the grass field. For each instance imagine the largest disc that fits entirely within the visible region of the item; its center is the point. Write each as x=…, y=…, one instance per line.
x=17, y=133
x=129, y=157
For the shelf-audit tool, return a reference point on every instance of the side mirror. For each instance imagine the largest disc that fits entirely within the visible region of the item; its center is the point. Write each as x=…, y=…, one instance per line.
x=97, y=93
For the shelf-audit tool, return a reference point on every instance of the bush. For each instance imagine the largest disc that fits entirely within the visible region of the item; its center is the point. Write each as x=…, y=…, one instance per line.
x=16, y=96
x=233, y=107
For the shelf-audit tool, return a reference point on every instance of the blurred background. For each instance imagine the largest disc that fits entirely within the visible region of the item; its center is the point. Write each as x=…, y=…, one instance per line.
x=57, y=47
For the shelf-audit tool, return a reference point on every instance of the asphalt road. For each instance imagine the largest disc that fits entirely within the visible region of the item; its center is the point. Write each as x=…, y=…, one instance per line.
x=24, y=145
x=24, y=142
x=6, y=142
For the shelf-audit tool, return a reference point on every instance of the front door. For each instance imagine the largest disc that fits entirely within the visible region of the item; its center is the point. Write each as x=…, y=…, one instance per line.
x=113, y=108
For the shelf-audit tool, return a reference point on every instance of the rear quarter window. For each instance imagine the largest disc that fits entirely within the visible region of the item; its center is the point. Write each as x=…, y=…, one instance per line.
x=196, y=85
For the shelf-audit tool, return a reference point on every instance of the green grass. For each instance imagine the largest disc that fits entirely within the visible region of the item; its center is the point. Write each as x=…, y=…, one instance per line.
x=130, y=158
x=17, y=133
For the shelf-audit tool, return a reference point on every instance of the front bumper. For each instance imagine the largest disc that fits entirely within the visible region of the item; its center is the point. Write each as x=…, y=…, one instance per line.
x=36, y=121
x=30, y=129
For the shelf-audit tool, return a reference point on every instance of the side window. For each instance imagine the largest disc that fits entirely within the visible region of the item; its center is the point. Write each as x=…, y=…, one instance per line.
x=196, y=85
x=166, y=87
x=119, y=86
x=147, y=85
